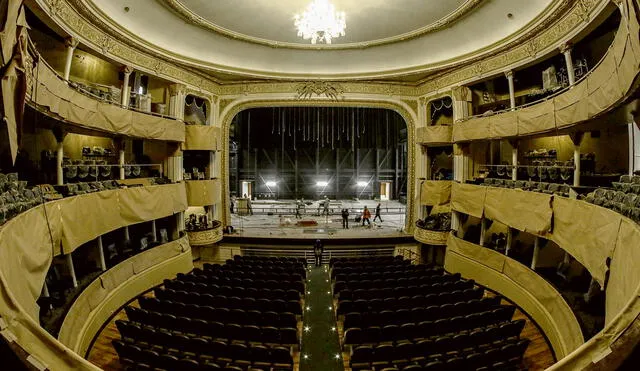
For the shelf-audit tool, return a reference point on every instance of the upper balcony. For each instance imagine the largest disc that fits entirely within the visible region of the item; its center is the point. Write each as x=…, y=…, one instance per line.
x=598, y=91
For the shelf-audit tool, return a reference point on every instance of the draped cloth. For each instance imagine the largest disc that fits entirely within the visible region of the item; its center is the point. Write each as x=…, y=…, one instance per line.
x=13, y=39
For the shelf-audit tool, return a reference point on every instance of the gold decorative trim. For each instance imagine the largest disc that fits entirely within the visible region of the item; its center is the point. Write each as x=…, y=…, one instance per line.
x=204, y=238
x=430, y=237
x=227, y=119
x=329, y=90
x=555, y=27
x=193, y=18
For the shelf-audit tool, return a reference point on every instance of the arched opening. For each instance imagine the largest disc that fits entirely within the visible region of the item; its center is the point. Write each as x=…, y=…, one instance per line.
x=303, y=166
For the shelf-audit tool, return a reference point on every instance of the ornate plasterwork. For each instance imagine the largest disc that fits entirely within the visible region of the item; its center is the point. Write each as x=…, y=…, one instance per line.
x=86, y=30
x=241, y=105
x=430, y=237
x=309, y=89
x=204, y=238
x=192, y=18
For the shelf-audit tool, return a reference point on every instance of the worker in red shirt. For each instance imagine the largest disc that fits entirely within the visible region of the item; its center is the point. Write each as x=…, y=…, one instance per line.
x=366, y=216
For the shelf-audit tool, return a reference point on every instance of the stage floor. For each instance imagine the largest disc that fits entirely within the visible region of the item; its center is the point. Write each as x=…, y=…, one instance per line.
x=282, y=221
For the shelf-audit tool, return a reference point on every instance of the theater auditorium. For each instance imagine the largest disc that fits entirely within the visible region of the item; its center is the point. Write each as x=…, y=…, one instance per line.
x=320, y=185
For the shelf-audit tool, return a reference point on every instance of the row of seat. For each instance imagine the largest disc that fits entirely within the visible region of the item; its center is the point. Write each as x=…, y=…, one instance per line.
x=340, y=285
x=211, y=329
x=404, y=290
x=225, y=281
x=270, y=259
x=479, y=326
x=139, y=356
x=239, y=316
x=625, y=203
x=391, y=271
x=272, y=264
x=260, y=267
x=409, y=302
x=470, y=308
x=527, y=185
x=367, y=260
x=16, y=197
x=245, y=300
x=500, y=355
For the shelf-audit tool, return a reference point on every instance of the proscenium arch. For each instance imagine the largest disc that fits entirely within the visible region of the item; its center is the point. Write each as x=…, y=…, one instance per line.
x=404, y=111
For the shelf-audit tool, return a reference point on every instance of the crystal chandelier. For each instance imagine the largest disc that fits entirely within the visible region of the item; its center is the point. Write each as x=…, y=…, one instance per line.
x=320, y=22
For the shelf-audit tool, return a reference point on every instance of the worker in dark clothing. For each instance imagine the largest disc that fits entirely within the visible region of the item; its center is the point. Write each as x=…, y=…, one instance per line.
x=298, y=207
x=317, y=252
x=345, y=218
x=377, y=214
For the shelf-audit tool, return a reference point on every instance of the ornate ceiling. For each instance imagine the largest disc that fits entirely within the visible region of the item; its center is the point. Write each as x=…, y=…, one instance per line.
x=402, y=40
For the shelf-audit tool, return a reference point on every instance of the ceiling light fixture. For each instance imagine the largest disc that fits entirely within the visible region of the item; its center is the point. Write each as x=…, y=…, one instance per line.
x=320, y=22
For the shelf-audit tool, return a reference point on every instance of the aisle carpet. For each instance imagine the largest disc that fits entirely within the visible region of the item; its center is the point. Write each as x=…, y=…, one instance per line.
x=320, y=343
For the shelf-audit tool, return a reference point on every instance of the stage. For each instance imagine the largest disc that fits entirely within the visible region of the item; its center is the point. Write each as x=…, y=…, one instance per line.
x=276, y=219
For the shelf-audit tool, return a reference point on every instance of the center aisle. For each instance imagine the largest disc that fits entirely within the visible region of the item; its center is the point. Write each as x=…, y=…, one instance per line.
x=320, y=343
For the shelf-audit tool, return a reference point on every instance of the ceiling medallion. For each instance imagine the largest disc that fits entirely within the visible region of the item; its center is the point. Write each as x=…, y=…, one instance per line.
x=320, y=22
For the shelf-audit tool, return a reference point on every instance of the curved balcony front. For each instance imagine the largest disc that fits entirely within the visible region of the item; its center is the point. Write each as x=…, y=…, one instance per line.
x=52, y=95
x=202, y=138
x=435, y=135
x=208, y=236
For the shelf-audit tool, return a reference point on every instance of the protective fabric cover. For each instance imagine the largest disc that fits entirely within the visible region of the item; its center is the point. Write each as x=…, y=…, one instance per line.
x=536, y=118
x=468, y=199
x=53, y=93
x=435, y=134
x=504, y=125
x=587, y=232
x=435, y=192
x=476, y=128
x=521, y=285
x=488, y=257
x=624, y=279
x=203, y=192
x=88, y=216
x=525, y=211
x=202, y=138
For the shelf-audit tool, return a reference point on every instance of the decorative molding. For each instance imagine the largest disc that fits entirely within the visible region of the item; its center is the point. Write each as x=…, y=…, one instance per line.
x=428, y=237
x=207, y=237
x=307, y=90
x=193, y=18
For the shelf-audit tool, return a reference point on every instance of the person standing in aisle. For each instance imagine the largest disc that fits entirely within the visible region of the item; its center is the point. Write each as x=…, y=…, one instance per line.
x=317, y=252
x=345, y=218
x=298, y=207
x=366, y=216
x=377, y=214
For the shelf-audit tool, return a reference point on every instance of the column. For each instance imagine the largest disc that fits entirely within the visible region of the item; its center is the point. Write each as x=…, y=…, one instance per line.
x=565, y=49
x=509, y=240
x=536, y=251
x=483, y=230
x=59, y=135
x=460, y=164
x=103, y=264
x=462, y=107
x=154, y=231
x=576, y=138
x=514, y=159
x=212, y=165
x=177, y=96
x=127, y=70
x=512, y=91
x=127, y=237
x=72, y=271
x=120, y=145
x=70, y=44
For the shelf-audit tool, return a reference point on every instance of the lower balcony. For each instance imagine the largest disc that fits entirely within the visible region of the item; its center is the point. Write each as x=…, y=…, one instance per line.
x=206, y=236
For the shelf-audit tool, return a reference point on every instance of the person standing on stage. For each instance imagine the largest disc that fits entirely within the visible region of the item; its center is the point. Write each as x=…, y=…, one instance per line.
x=326, y=206
x=298, y=207
x=317, y=252
x=377, y=214
x=345, y=218
x=366, y=216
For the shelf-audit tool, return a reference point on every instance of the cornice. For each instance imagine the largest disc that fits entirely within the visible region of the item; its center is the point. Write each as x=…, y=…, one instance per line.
x=574, y=16
x=190, y=17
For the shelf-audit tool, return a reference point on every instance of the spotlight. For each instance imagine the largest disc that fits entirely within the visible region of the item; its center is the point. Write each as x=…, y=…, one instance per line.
x=271, y=184
x=362, y=184
x=337, y=355
x=333, y=329
x=305, y=356
x=322, y=184
x=329, y=307
x=308, y=308
x=307, y=328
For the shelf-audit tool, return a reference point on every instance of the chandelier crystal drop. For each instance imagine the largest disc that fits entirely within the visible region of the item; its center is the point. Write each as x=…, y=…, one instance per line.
x=320, y=22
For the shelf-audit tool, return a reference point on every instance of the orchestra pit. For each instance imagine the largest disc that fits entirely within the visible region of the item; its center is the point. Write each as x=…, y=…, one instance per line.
x=330, y=185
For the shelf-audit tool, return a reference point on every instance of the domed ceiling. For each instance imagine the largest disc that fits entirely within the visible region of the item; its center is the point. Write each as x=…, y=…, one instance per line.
x=384, y=39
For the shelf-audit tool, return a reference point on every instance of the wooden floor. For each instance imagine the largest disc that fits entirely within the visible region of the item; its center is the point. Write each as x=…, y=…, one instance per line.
x=538, y=355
